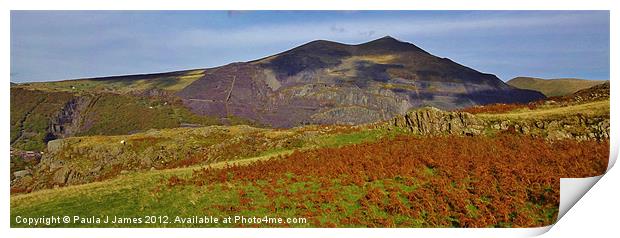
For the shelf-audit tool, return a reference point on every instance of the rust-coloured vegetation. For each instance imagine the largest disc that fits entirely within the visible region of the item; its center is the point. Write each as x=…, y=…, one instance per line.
x=505, y=181
x=498, y=108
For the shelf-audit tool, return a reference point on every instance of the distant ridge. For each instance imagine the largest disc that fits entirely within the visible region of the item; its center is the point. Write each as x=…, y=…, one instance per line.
x=554, y=87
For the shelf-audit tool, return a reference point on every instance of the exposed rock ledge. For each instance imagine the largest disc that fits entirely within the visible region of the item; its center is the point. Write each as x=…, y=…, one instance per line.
x=432, y=121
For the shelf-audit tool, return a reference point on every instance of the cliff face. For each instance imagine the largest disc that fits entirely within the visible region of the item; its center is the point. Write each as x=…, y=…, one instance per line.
x=326, y=82
x=432, y=121
x=67, y=122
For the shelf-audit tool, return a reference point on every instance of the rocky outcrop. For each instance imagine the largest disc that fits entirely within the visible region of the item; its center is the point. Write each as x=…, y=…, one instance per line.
x=23, y=163
x=68, y=120
x=432, y=121
x=574, y=127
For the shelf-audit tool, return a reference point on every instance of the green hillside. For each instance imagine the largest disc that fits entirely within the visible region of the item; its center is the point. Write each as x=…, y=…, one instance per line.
x=34, y=111
x=553, y=87
x=31, y=111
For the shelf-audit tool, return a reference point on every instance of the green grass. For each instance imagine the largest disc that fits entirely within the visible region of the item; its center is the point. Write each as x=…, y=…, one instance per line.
x=127, y=195
x=141, y=194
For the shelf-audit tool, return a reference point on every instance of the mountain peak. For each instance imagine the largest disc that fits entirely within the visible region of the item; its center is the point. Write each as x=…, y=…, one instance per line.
x=388, y=38
x=380, y=45
x=391, y=44
x=385, y=40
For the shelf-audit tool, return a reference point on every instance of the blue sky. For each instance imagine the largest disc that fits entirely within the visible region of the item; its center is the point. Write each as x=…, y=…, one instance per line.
x=55, y=45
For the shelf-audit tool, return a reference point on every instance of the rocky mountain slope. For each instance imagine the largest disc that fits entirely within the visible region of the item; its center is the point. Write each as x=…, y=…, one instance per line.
x=554, y=87
x=325, y=82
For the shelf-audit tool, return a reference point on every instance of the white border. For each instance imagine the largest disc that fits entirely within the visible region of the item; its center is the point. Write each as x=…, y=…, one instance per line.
x=281, y=5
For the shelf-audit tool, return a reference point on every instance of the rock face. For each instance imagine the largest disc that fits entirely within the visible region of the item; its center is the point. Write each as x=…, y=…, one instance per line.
x=68, y=120
x=575, y=127
x=326, y=82
x=432, y=121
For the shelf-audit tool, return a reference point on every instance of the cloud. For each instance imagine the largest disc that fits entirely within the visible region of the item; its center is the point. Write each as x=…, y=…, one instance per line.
x=337, y=29
x=370, y=33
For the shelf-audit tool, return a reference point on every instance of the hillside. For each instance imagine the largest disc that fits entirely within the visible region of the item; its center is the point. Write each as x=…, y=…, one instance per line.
x=38, y=116
x=553, y=87
x=324, y=82
x=594, y=93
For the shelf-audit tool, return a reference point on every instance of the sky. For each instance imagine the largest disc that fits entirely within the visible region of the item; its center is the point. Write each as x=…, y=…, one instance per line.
x=57, y=45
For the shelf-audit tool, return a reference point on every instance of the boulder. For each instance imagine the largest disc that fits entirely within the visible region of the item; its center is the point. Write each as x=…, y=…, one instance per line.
x=54, y=146
x=61, y=175
x=21, y=174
